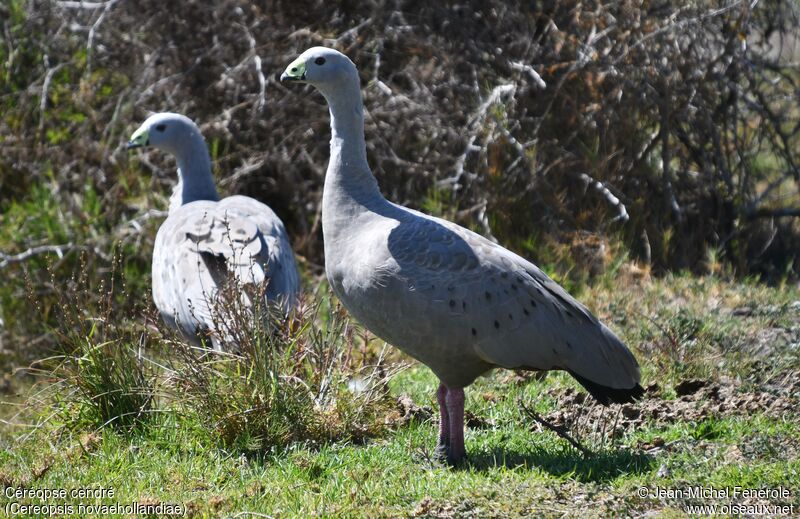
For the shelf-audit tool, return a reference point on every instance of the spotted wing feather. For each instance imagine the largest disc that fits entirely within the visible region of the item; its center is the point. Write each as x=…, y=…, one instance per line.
x=472, y=296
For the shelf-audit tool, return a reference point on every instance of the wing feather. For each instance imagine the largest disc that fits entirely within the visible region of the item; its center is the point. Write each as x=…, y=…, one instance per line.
x=202, y=244
x=510, y=312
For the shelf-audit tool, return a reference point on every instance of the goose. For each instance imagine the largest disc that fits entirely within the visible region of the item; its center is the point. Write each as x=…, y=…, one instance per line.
x=448, y=297
x=205, y=241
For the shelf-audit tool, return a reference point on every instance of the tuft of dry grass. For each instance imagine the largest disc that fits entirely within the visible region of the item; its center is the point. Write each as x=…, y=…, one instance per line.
x=302, y=377
x=98, y=375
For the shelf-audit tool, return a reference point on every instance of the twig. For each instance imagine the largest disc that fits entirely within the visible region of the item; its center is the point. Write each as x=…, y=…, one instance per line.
x=7, y=259
x=137, y=222
x=45, y=87
x=383, y=87
x=483, y=219
x=96, y=25
x=460, y=162
x=262, y=83
x=349, y=33
x=537, y=79
x=558, y=430
x=766, y=192
x=613, y=200
x=84, y=5
x=249, y=165
x=495, y=96
x=676, y=25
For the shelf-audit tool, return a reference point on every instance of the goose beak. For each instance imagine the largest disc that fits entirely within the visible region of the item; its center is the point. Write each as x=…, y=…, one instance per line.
x=295, y=72
x=139, y=139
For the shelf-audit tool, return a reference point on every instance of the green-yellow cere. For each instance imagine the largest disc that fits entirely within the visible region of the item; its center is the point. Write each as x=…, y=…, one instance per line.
x=140, y=137
x=297, y=69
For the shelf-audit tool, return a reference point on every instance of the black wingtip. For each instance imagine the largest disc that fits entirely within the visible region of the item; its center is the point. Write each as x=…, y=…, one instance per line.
x=608, y=395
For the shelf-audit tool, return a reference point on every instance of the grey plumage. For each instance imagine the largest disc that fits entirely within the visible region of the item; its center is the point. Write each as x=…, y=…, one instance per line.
x=205, y=242
x=462, y=304
x=445, y=295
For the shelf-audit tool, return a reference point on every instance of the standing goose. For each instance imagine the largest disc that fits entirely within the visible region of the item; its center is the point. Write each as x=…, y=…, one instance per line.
x=204, y=241
x=445, y=295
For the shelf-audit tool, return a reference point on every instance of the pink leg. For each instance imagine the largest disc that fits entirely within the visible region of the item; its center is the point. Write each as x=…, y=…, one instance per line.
x=455, y=411
x=444, y=423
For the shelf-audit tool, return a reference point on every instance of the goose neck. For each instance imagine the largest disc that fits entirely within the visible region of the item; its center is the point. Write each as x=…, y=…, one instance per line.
x=348, y=169
x=195, y=181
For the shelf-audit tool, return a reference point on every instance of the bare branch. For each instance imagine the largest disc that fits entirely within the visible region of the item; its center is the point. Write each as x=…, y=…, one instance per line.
x=8, y=259
x=95, y=26
x=537, y=79
x=680, y=24
x=349, y=33
x=48, y=77
x=494, y=97
x=84, y=5
x=613, y=200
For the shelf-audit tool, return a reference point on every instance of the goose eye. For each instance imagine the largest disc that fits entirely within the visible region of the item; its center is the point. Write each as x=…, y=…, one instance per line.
x=319, y=61
x=161, y=127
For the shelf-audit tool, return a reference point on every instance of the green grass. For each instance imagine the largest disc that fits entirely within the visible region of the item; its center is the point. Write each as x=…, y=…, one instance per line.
x=681, y=327
x=512, y=469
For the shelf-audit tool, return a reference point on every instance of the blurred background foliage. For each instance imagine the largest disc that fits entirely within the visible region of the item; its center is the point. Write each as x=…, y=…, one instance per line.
x=580, y=134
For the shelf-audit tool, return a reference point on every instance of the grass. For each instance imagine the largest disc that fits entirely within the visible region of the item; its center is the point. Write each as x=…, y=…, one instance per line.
x=721, y=333
x=512, y=470
x=288, y=382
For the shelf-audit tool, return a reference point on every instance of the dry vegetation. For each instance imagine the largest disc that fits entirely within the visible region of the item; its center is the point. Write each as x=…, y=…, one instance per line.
x=308, y=377
x=668, y=131
x=614, y=143
x=686, y=114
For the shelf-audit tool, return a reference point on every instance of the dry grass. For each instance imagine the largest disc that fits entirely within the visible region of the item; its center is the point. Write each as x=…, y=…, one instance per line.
x=305, y=377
